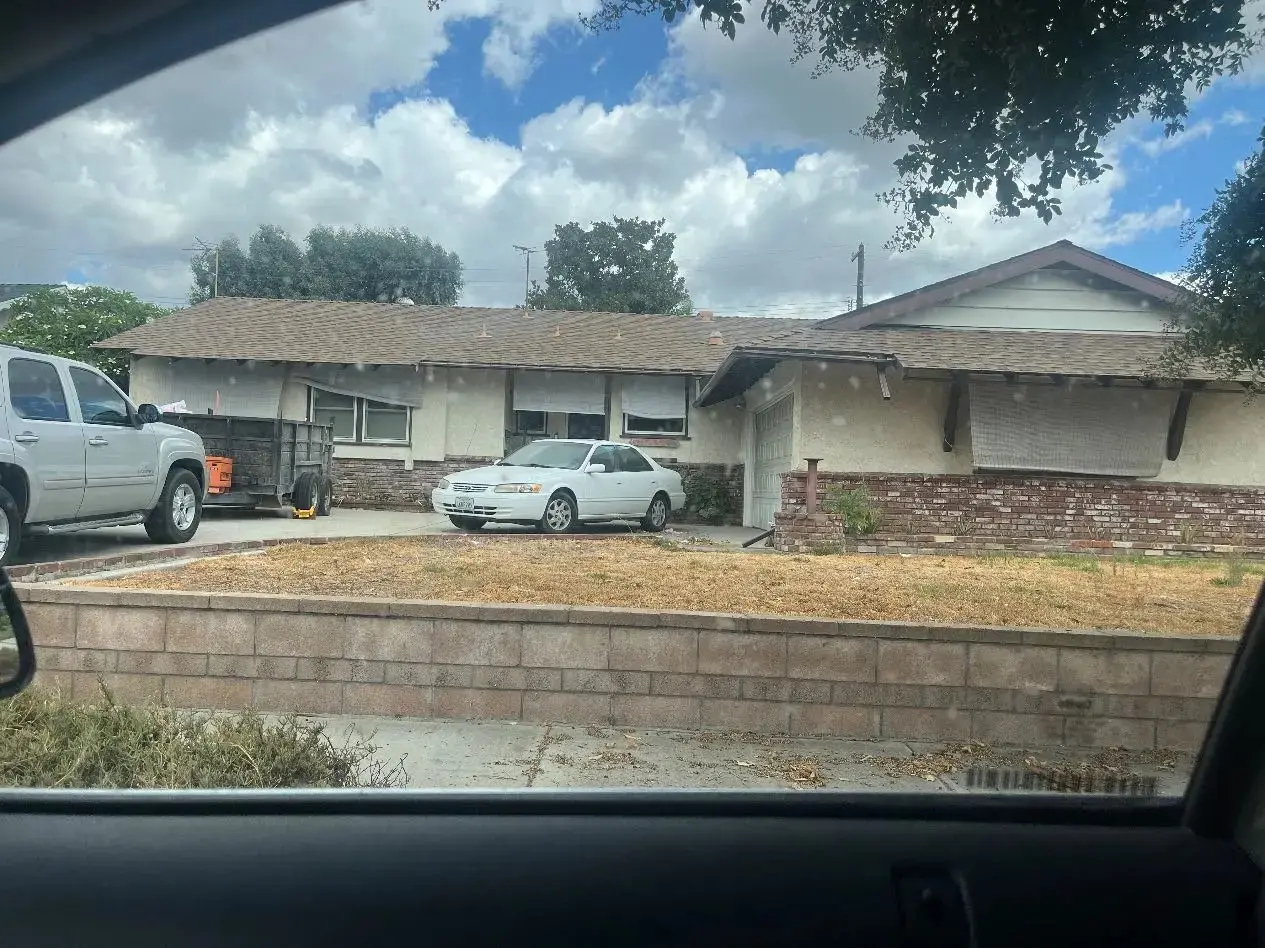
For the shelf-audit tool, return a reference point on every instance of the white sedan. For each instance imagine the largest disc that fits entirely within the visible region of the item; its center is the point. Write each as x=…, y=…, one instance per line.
x=555, y=484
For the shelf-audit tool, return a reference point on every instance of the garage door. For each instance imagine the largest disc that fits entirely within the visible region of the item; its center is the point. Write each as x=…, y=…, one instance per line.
x=773, y=458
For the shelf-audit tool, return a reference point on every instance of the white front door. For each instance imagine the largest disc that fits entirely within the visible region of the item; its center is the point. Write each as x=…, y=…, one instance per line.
x=772, y=457
x=601, y=492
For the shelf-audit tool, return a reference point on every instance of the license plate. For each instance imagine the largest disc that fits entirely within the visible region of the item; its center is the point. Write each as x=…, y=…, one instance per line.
x=463, y=505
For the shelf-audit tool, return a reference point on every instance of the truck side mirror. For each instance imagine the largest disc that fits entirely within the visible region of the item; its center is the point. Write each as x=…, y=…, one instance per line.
x=148, y=414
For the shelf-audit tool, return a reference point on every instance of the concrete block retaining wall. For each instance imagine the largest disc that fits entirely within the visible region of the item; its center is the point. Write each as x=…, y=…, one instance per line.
x=595, y=665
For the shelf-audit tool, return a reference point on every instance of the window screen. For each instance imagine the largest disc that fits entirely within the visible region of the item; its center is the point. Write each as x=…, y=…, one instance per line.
x=329, y=408
x=384, y=422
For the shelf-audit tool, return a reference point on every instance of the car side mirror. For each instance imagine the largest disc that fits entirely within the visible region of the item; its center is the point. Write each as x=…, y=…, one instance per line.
x=595, y=469
x=17, y=651
x=148, y=414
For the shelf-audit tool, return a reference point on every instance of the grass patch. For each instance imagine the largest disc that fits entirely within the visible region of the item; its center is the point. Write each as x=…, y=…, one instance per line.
x=50, y=741
x=1005, y=591
x=1086, y=563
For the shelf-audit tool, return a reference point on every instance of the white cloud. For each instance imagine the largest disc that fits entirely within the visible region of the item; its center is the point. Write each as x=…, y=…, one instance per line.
x=234, y=140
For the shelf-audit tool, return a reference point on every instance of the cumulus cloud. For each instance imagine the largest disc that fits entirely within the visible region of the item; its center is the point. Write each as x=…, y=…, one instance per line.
x=274, y=130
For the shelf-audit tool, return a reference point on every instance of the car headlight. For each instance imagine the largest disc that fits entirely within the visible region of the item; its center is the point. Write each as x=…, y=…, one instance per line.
x=444, y=483
x=516, y=489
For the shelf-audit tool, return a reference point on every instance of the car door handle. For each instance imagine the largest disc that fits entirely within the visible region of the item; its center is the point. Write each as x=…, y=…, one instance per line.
x=98, y=441
x=26, y=437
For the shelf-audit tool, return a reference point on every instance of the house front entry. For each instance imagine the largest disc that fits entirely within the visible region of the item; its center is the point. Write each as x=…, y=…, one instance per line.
x=772, y=450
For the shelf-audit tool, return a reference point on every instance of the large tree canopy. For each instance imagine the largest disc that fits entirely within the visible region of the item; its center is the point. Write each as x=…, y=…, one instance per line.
x=1012, y=95
x=66, y=321
x=1226, y=272
x=620, y=267
x=362, y=264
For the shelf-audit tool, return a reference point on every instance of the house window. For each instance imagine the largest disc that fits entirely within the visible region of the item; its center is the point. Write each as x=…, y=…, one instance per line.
x=530, y=422
x=635, y=424
x=360, y=419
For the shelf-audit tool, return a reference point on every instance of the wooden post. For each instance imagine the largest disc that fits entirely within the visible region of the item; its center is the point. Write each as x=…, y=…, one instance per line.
x=810, y=487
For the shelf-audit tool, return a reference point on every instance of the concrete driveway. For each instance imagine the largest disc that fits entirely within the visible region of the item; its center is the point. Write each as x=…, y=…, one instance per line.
x=224, y=525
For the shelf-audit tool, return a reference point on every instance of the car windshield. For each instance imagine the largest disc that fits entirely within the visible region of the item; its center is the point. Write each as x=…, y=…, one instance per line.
x=930, y=453
x=560, y=454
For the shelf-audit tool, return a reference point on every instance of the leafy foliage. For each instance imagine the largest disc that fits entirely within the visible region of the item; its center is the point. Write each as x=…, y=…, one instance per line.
x=66, y=321
x=50, y=741
x=1226, y=271
x=337, y=264
x=854, y=507
x=1013, y=97
x=620, y=267
x=707, y=494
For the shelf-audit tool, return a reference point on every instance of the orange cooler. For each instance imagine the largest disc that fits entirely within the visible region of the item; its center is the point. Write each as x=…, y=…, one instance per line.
x=220, y=471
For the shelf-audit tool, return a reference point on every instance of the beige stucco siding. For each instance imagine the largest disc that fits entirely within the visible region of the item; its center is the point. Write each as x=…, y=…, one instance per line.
x=252, y=389
x=1224, y=442
x=1047, y=299
x=845, y=421
x=475, y=424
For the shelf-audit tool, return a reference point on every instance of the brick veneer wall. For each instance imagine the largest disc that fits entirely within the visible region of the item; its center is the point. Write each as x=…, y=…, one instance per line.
x=386, y=482
x=1049, y=508
x=380, y=482
x=595, y=665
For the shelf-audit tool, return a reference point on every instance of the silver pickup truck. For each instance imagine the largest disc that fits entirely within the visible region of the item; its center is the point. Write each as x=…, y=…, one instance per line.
x=75, y=453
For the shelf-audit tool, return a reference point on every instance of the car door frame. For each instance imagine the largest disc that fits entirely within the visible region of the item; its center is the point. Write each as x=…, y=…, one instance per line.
x=119, y=492
x=54, y=498
x=639, y=487
x=600, y=492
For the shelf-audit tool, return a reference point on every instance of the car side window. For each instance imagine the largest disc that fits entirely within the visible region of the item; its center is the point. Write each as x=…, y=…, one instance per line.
x=36, y=392
x=605, y=455
x=99, y=402
x=632, y=460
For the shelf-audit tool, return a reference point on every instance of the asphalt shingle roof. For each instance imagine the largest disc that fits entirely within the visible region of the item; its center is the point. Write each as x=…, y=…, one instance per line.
x=399, y=334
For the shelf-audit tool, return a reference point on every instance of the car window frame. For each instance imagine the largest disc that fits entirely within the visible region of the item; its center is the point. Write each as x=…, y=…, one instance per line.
x=61, y=382
x=129, y=408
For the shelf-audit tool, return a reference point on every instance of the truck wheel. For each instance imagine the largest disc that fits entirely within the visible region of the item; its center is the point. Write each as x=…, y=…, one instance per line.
x=304, y=493
x=10, y=527
x=325, y=497
x=179, y=510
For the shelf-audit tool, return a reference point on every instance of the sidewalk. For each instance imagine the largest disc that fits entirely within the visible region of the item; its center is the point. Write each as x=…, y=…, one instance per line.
x=478, y=754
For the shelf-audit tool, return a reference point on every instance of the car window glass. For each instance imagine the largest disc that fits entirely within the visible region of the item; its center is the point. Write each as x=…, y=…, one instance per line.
x=605, y=455
x=36, y=392
x=99, y=403
x=631, y=460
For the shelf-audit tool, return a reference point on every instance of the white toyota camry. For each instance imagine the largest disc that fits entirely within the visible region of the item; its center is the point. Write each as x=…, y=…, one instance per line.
x=555, y=484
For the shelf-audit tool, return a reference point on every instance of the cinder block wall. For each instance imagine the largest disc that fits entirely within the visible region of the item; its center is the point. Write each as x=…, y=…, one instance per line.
x=591, y=665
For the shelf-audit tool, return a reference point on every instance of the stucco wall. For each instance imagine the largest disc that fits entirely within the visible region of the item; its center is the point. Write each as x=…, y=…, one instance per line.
x=475, y=425
x=1224, y=442
x=1047, y=299
x=845, y=420
x=244, y=389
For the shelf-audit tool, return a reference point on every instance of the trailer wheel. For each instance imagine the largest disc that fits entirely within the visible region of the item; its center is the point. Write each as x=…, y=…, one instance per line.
x=324, y=497
x=304, y=493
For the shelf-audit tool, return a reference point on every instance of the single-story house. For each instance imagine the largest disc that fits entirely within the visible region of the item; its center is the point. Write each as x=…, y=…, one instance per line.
x=1020, y=400
x=418, y=392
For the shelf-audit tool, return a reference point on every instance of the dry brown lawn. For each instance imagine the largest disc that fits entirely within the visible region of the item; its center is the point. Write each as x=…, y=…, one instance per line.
x=1171, y=598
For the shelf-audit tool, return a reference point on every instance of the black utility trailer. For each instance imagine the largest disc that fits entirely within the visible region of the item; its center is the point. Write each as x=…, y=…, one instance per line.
x=277, y=462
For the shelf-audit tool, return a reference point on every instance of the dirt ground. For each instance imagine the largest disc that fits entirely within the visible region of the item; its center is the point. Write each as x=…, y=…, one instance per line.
x=1167, y=597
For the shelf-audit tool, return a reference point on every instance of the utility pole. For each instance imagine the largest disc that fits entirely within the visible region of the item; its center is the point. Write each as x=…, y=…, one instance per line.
x=859, y=259
x=526, y=252
x=215, y=278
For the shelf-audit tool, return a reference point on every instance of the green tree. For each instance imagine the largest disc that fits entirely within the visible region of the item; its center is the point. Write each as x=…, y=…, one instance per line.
x=66, y=321
x=620, y=267
x=1013, y=96
x=336, y=264
x=1225, y=312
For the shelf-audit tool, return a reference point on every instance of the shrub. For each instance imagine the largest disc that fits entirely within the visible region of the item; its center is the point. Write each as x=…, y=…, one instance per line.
x=49, y=741
x=707, y=495
x=854, y=507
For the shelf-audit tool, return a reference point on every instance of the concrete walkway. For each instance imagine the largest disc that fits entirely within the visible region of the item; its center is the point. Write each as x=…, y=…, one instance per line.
x=480, y=754
x=223, y=525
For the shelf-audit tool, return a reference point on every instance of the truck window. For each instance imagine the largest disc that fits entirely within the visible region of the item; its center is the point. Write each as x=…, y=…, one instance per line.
x=99, y=403
x=36, y=392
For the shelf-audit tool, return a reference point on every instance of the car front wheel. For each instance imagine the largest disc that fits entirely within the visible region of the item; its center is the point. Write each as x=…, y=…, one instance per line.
x=179, y=510
x=560, y=514
x=656, y=517
x=10, y=527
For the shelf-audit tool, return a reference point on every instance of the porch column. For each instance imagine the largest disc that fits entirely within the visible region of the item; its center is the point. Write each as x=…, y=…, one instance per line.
x=810, y=486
